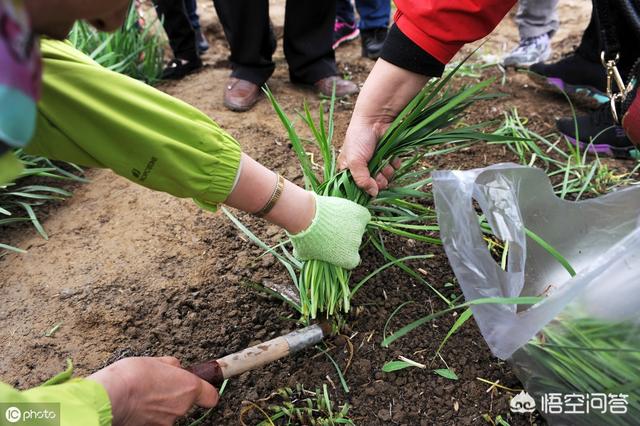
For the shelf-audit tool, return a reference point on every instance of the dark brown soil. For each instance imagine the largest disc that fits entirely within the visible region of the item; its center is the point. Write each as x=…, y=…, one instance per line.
x=130, y=272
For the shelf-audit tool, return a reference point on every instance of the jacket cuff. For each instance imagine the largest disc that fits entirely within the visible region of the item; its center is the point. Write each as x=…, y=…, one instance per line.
x=95, y=396
x=440, y=50
x=82, y=402
x=400, y=50
x=223, y=175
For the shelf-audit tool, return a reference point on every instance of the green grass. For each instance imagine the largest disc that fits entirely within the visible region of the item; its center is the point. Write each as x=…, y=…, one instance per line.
x=133, y=50
x=429, y=125
x=574, y=173
x=584, y=355
x=19, y=199
x=299, y=406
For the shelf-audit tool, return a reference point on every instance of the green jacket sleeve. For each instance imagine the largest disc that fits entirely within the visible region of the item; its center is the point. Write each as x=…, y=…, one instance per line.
x=94, y=117
x=82, y=402
x=10, y=168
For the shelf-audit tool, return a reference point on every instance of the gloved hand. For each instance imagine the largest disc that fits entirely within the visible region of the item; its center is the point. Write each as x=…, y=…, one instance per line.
x=335, y=234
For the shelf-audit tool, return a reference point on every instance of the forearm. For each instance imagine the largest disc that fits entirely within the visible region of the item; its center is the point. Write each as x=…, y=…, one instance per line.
x=178, y=149
x=387, y=90
x=295, y=208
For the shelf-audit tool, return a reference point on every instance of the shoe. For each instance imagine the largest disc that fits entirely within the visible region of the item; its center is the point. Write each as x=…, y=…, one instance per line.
x=530, y=51
x=343, y=32
x=240, y=95
x=201, y=42
x=575, y=76
x=343, y=87
x=178, y=68
x=597, y=133
x=372, y=42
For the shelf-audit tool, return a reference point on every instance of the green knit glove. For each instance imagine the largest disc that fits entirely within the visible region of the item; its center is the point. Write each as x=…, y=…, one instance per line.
x=335, y=234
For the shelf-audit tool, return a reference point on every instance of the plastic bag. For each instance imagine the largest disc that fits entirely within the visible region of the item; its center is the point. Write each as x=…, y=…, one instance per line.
x=581, y=341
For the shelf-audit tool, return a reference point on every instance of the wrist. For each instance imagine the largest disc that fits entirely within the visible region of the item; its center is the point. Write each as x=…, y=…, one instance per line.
x=118, y=390
x=377, y=103
x=296, y=209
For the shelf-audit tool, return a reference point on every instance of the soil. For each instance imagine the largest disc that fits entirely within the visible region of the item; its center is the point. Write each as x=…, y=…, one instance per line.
x=128, y=271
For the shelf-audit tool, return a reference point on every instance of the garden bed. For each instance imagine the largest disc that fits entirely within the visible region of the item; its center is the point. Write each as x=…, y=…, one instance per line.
x=131, y=272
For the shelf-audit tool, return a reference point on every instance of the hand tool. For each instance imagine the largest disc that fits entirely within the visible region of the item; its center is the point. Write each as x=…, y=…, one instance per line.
x=216, y=371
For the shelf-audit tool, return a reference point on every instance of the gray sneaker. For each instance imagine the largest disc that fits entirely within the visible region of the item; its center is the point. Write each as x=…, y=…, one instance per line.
x=530, y=51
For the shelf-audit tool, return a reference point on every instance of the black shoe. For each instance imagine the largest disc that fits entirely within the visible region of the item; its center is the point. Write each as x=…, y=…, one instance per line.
x=597, y=133
x=178, y=68
x=574, y=75
x=372, y=42
x=201, y=42
x=344, y=32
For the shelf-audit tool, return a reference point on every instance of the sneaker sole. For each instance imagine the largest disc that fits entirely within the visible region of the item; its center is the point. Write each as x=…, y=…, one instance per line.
x=585, y=94
x=545, y=56
x=604, y=149
x=369, y=55
x=349, y=37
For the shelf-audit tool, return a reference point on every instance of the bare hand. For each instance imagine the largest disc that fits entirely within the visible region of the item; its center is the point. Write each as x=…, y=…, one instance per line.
x=359, y=145
x=152, y=391
x=383, y=96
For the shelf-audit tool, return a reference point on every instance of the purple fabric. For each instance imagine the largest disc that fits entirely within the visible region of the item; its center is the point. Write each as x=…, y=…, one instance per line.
x=20, y=66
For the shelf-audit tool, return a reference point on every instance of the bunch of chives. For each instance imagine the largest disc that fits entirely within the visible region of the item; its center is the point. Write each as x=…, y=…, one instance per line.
x=428, y=121
x=586, y=356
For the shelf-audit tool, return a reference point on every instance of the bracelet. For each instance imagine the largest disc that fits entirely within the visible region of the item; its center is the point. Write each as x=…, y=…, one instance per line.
x=277, y=192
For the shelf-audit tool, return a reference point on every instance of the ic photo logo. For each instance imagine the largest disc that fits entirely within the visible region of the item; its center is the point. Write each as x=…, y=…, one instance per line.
x=13, y=414
x=29, y=414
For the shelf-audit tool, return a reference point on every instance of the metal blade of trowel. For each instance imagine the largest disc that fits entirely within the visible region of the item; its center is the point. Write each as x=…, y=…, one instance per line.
x=216, y=371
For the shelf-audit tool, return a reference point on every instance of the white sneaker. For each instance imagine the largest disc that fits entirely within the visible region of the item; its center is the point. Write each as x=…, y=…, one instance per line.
x=530, y=51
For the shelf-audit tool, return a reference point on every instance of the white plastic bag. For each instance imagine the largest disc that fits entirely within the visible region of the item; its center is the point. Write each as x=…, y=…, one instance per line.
x=599, y=238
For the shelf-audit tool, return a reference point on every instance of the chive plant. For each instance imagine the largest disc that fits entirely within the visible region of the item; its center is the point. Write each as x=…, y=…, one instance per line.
x=19, y=198
x=587, y=356
x=136, y=49
x=428, y=125
x=573, y=354
x=574, y=174
x=300, y=406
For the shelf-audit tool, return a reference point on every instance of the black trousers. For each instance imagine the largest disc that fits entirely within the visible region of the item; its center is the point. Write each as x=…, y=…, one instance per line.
x=182, y=37
x=308, y=34
x=591, y=46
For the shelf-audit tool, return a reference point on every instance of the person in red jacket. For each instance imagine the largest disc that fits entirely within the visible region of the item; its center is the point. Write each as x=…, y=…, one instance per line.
x=630, y=109
x=425, y=36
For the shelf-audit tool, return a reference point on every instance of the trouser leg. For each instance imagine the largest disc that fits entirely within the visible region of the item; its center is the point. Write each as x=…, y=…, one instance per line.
x=251, y=40
x=345, y=12
x=191, y=7
x=373, y=13
x=308, y=36
x=182, y=37
x=537, y=17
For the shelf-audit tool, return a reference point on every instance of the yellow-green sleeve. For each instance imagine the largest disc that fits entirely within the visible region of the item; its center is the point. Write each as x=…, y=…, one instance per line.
x=82, y=402
x=94, y=117
x=10, y=168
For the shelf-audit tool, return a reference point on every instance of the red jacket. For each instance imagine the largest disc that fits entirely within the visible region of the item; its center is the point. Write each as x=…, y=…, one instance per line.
x=442, y=27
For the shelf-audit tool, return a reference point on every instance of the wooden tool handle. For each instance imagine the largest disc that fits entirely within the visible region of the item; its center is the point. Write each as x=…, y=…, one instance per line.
x=256, y=356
